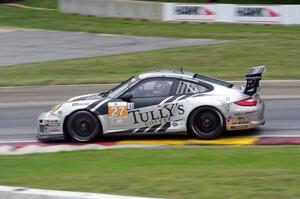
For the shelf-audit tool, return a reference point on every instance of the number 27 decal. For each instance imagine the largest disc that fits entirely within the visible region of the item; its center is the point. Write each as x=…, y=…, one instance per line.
x=117, y=109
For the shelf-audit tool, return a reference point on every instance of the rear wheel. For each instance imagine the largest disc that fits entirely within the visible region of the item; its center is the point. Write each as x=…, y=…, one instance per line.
x=83, y=126
x=206, y=123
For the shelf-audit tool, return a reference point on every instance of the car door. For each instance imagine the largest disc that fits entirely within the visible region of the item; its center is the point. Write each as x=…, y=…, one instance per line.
x=142, y=105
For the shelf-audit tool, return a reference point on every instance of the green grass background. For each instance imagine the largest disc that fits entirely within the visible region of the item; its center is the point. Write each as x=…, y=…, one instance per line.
x=205, y=172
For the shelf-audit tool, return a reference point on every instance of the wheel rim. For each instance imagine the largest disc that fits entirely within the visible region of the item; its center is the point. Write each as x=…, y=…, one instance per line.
x=83, y=127
x=206, y=122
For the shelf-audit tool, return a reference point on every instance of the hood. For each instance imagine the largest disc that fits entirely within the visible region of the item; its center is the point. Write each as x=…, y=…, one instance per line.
x=93, y=96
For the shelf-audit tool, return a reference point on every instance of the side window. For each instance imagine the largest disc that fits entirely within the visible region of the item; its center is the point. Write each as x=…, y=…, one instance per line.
x=185, y=88
x=153, y=88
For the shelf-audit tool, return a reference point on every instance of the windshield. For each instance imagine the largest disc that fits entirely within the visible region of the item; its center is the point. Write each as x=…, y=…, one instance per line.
x=113, y=91
x=213, y=80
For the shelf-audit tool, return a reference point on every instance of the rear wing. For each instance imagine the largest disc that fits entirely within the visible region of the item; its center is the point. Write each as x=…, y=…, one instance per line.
x=253, y=77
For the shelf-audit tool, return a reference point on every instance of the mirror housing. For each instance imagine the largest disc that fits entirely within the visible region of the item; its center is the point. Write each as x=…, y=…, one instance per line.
x=126, y=97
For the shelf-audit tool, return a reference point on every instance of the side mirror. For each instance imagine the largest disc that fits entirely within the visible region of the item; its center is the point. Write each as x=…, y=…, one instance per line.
x=126, y=97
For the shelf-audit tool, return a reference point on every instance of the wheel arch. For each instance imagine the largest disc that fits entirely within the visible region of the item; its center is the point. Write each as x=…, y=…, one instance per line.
x=65, y=129
x=205, y=106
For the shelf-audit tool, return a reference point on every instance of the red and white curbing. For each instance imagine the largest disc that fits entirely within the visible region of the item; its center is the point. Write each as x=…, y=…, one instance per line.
x=40, y=148
x=33, y=146
x=7, y=192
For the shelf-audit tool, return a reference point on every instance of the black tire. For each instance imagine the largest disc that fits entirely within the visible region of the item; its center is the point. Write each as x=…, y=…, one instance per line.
x=83, y=126
x=206, y=123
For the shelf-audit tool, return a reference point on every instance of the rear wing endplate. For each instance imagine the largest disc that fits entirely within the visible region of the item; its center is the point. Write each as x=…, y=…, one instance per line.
x=253, y=77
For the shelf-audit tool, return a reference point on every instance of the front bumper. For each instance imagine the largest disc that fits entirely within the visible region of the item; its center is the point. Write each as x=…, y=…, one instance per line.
x=50, y=127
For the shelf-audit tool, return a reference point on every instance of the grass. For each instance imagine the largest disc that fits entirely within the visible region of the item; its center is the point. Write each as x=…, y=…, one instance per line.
x=270, y=172
x=275, y=46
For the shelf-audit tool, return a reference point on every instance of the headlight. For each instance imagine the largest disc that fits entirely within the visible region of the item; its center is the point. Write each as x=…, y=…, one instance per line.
x=55, y=108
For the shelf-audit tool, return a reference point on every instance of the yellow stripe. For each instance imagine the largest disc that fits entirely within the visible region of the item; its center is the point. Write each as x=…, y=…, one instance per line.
x=153, y=142
x=227, y=141
x=221, y=141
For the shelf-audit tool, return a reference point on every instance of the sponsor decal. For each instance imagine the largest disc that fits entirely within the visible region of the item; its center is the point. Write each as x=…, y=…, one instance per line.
x=199, y=12
x=230, y=119
x=240, y=114
x=239, y=127
x=117, y=109
x=52, y=130
x=159, y=116
x=174, y=124
x=49, y=127
x=257, y=13
x=130, y=105
x=53, y=124
x=51, y=121
x=235, y=120
x=193, y=10
x=117, y=112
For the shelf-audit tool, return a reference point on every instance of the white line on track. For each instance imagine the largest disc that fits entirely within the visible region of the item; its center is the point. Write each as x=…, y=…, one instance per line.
x=266, y=97
x=28, y=7
x=28, y=104
x=280, y=135
x=17, y=141
x=25, y=193
x=59, y=86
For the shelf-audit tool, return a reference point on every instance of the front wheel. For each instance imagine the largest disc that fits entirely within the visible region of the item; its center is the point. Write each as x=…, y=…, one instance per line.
x=83, y=126
x=206, y=123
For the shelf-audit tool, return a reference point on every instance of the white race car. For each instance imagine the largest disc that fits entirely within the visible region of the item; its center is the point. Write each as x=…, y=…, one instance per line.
x=159, y=102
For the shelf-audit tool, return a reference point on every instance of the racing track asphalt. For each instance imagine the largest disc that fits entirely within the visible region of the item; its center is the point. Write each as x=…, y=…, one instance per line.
x=20, y=106
x=19, y=46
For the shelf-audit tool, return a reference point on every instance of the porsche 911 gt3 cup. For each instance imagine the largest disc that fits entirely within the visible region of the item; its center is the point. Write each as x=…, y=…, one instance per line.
x=159, y=102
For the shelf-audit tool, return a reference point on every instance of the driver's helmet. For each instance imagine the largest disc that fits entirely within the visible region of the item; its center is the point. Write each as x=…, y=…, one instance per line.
x=161, y=88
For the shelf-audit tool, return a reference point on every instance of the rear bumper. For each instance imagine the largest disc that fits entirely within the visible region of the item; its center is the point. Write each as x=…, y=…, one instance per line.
x=245, y=117
x=50, y=127
x=249, y=125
